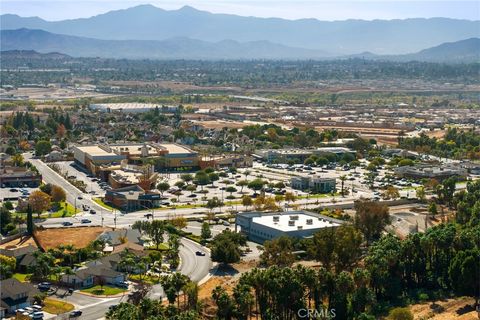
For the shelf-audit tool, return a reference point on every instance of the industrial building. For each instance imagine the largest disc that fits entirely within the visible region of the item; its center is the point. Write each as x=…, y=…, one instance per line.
x=131, y=107
x=314, y=183
x=260, y=226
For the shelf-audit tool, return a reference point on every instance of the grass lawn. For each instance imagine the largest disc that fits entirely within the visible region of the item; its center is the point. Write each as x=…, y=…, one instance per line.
x=145, y=278
x=22, y=277
x=56, y=306
x=100, y=202
x=106, y=291
x=67, y=211
x=161, y=247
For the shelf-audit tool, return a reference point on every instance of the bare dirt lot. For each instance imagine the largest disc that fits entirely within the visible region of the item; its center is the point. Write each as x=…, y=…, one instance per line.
x=460, y=309
x=80, y=237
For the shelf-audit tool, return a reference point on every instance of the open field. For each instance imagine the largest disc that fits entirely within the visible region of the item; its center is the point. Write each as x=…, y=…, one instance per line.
x=53, y=93
x=78, y=236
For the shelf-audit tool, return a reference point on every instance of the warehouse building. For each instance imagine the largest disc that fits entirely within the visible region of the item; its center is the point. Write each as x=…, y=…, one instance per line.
x=132, y=107
x=260, y=226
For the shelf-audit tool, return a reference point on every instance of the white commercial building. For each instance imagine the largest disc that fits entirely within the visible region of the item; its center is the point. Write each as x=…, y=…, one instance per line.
x=260, y=226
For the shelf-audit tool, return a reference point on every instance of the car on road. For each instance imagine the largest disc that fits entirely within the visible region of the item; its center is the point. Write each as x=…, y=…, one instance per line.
x=44, y=286
x=67, y=224
x=200, y=253
x=148, y=215
x=93, y=211
x=75, y=314
x=80, y=198
x=86, y=221
x=13, y=190
x=112, y=307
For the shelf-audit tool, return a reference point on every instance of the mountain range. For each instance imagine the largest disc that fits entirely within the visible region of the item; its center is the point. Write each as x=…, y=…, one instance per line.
x=183, y=48
x=175, y=48
x=314, y=37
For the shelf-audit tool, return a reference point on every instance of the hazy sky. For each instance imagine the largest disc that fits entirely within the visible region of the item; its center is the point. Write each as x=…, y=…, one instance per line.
x=288, y=9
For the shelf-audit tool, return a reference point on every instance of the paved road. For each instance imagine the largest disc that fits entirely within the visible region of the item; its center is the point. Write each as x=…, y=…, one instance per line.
x=193, y=266
x=50, y=176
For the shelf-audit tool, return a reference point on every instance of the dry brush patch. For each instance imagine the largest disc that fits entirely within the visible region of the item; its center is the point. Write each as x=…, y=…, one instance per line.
x=80, y=237
x=458, y=308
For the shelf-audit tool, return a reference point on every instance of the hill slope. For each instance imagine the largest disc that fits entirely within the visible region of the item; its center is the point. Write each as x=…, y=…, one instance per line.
x=178, y=48
x=147, y=22
x=467, y=50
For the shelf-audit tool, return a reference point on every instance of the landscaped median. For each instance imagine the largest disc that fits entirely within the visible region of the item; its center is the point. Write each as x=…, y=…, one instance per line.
x=100, y=202
x=56, y=306
x=60, y=210
x=103, y=291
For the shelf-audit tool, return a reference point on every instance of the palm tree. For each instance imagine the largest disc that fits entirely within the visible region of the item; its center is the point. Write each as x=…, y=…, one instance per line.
x=343, y=178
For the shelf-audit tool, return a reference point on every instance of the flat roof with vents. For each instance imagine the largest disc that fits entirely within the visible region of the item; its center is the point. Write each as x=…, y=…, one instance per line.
x=283, y=221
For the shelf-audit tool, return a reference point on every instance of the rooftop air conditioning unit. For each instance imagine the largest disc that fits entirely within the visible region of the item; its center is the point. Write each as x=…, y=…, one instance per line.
x=291, y=223
x=276, y=218
x=309, y=221
x=300, y=228
x=295, y=217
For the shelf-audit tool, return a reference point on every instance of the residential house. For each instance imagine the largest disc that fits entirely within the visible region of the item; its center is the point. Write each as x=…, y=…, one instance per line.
x=15, y=295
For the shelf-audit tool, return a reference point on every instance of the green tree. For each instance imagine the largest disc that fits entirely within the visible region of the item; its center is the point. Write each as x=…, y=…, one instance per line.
x=371, y=218
x=225, y=247
x=42, y=148
x=278, y=252
x=206, y=233
x=163, y=186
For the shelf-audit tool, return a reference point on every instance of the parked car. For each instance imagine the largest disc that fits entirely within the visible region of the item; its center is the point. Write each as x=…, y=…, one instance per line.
x=123, y=285
x=93, y=211
x=148, y=215
x=37, y=315
x=75, y=314
x=13, y=190
x=67, y=224
x=86, y=221
x=44, y=286
x=80, y=198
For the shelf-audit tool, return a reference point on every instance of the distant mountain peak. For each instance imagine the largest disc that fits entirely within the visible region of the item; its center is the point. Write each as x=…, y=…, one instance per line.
x=148, y=22
x=187, y=8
